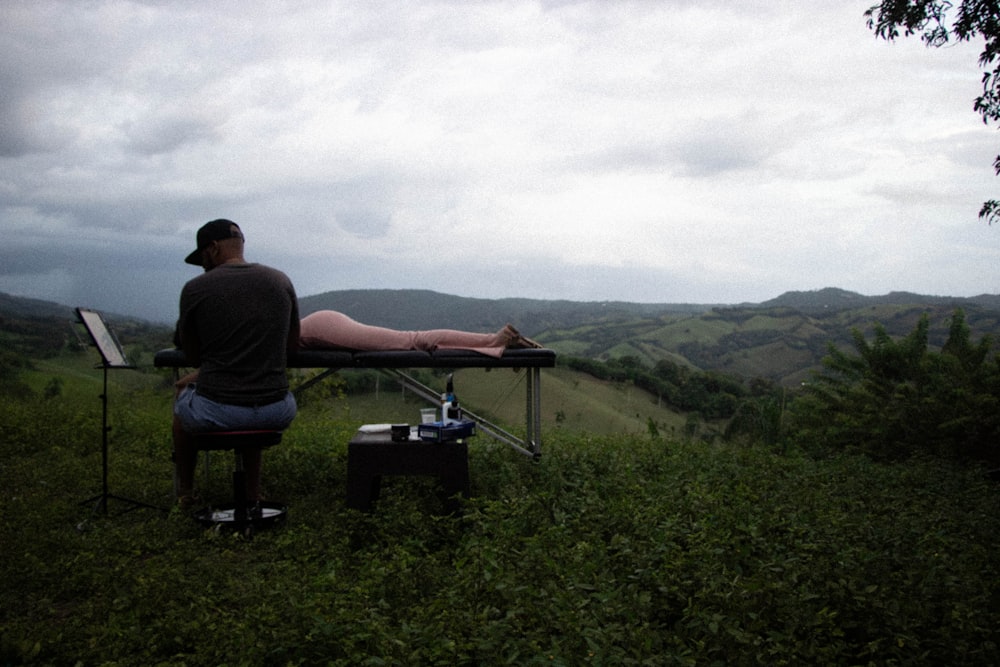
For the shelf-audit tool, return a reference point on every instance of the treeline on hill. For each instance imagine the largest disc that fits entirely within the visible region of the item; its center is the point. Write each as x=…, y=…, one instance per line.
x=893, y=399
x=711, y=394
x=28, y=337
x=42, y=337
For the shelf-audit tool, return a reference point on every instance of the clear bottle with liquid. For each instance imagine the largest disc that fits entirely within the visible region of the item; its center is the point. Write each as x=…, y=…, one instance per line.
x=451, y=413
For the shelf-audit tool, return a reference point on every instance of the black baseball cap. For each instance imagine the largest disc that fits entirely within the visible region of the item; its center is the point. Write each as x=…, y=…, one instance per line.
x=216, y=230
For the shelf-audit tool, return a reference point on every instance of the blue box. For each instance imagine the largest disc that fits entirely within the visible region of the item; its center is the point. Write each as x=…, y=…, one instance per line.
x=439, y=432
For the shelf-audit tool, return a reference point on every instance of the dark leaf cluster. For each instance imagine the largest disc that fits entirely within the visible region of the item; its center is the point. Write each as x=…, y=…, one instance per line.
x=608, y=551
x=897, y=398
x=930, y=19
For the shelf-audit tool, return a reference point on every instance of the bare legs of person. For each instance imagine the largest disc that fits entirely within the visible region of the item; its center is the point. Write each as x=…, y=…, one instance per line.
x=492, y=344
x=326, y=329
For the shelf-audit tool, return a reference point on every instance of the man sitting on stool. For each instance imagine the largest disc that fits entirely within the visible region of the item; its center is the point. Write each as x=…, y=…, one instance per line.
x=238, y=322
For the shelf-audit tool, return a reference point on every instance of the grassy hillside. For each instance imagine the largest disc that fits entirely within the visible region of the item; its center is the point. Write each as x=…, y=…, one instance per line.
x=572, y=402
x=780, y=343
x=610, y=550
x=782, y=340
x=423, y=309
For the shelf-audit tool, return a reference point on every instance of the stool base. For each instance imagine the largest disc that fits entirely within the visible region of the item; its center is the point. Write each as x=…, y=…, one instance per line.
x=240, y=515
x=223, y=517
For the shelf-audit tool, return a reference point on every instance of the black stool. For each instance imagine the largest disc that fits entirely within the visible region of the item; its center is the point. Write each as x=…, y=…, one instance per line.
x=240, y=515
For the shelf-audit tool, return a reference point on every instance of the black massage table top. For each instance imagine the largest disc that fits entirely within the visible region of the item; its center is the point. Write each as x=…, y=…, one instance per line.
x=512, y=358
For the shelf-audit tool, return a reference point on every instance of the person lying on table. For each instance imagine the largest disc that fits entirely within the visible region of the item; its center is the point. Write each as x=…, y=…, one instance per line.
x=329, y=329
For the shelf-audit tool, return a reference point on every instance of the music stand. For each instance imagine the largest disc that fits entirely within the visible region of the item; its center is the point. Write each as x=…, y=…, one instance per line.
x=112, y=356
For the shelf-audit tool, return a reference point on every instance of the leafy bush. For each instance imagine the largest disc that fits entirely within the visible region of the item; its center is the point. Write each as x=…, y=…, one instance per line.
x=608, y=551
x=11, y=368
x=895, y=398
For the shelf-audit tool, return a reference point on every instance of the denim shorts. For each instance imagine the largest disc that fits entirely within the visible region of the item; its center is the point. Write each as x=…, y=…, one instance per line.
x=198, y=414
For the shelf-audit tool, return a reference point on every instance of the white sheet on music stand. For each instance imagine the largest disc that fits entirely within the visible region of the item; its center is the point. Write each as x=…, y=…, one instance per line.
x=110, y=350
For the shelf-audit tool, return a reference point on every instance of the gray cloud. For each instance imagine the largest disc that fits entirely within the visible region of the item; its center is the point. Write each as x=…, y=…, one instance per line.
x=668, y=151
x=156, y=135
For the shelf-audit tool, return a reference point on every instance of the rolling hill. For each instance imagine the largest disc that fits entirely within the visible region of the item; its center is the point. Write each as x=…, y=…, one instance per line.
x=782, y=339
x=424, y=309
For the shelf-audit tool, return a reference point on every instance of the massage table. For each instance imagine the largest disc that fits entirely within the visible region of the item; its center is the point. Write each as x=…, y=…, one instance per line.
x=395, y=363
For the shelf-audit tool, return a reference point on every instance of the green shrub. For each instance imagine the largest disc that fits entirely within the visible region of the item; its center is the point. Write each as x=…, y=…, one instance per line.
x=608, y=551
x=898, y=398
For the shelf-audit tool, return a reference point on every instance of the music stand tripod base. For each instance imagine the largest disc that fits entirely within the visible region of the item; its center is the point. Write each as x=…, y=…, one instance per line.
x=112, y=356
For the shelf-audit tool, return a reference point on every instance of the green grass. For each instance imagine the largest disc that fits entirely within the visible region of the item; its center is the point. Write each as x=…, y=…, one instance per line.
x=572, y=402
x=757, y=362
x=611, y=550
x=692, y=329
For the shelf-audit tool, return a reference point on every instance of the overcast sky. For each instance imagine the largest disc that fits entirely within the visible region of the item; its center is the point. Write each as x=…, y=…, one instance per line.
x=652, y=151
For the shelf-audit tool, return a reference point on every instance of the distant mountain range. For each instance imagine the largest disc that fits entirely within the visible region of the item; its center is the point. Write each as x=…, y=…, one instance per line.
x=782, y=339
x=17, y=306
x=831, y=298
x=422, y=309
